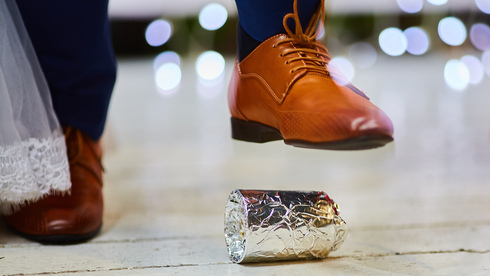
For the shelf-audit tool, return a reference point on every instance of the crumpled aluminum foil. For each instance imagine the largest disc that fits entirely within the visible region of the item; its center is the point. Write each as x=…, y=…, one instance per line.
x=282, y=225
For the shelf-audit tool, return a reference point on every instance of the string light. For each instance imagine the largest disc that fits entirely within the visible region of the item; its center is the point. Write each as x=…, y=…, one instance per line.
x=437, y=2
x=363, y=54
x=393, y=42
x=410, y=6
x=480, y=36
x=456, y=74
x=213, y=16
x=452, y=31
x=475, y=68
x=417, y=40
x=210, y=65
x=345, y=67
x=158, y=32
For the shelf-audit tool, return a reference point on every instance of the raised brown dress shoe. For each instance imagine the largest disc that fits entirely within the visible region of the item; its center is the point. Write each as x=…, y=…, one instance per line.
x=286, y=89
x=70, y=218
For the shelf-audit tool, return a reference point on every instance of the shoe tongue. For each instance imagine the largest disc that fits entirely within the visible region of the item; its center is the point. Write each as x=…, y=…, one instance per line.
x=311, y=55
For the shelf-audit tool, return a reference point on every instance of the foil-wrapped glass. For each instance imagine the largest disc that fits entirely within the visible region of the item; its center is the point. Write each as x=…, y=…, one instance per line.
x=282, y=225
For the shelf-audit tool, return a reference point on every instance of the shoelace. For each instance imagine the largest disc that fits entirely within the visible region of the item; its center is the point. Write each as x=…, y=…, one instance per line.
x=308, y=50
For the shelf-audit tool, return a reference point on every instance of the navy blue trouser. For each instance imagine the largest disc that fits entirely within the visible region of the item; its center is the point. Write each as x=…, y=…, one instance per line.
x=73, y=44
x=262, y=19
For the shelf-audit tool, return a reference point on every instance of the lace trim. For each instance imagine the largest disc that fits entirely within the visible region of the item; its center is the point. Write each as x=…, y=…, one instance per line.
x=32, y=169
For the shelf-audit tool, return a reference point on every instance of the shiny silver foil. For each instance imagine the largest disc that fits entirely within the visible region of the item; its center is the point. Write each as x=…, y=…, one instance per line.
x=281, y=225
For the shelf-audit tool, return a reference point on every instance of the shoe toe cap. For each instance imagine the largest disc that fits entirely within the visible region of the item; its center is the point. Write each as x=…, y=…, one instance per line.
x=72, y=221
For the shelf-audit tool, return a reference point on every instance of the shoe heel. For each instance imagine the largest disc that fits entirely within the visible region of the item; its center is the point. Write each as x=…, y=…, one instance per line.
x=253, y=131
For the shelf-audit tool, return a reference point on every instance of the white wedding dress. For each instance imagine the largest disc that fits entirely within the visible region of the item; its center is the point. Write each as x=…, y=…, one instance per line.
x=33, y=160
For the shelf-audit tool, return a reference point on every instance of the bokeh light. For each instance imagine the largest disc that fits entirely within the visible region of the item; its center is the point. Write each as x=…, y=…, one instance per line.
x=483, y=5
x=393, y=42
x=456, y=74
x=486, y=62
x=480, y=36
x=168, y=77
x=345, y=67
x=363, y=55
x=166, y=57
x=437, y=2
x=410, y=6
x=321, y=35
x=213, y=16
x=417, y=40
x=475, y=68
x=452, y=31
x=210, y=65
x=158, y=32
x=209, y=89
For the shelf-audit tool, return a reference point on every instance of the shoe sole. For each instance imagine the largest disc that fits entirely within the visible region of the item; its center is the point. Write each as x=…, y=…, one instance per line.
x=259, y=133
x=58, y=239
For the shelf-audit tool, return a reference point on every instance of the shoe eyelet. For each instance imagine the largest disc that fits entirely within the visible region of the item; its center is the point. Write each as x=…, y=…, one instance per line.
x=287, y=62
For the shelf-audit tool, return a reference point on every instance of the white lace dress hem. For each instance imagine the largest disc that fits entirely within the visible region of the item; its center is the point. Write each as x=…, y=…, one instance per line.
x=32, y=169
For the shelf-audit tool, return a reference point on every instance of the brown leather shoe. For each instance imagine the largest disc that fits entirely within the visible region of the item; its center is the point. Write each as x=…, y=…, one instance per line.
x=69, y=218
x=287, y=89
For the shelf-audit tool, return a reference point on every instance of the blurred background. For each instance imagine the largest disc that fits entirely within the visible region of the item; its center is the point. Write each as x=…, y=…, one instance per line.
x=358, y=34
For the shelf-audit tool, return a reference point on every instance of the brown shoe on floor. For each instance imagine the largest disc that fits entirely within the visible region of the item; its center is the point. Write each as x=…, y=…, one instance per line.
x=287, y=89
x=71, y=218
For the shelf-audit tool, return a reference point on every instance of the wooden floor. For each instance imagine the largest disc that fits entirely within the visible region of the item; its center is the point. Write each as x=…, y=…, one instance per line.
x=420, y=206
